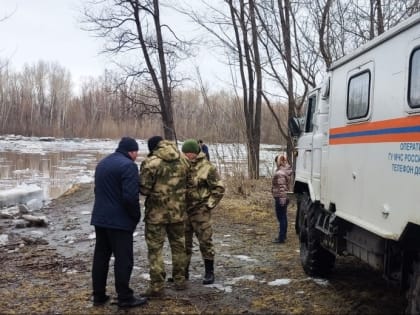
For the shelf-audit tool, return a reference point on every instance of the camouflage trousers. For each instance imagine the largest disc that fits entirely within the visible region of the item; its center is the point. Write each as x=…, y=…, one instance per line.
x=199, y=223
x=155, y=235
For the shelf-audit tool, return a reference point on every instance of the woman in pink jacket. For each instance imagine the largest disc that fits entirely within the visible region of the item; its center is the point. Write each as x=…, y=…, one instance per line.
x=279, y=188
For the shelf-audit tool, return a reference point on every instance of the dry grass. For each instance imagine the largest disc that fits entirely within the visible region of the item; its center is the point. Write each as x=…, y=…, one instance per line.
x=36, y=279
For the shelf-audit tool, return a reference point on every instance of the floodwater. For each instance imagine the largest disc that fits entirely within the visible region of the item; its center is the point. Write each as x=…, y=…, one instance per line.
x=54, y=172
x=56, y=164
x=51, y=164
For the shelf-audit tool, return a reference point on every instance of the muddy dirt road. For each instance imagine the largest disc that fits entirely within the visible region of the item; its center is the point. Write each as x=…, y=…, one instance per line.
x=47, y=269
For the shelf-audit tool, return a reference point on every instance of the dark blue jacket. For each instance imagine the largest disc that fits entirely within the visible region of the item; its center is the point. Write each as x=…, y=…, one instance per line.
x=116, y=193
x=205, y=150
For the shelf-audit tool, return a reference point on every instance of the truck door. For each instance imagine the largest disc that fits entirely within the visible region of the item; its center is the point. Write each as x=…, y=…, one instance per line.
x=305, y=144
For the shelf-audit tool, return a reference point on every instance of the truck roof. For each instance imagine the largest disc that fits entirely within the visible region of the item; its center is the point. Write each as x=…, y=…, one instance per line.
x=401, y=27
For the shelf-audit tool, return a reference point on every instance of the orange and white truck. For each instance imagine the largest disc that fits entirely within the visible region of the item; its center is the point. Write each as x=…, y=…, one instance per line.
x=358, y=162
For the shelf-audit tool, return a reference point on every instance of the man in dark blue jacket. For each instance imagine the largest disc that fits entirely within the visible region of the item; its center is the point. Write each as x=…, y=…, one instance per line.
x=204, y=148
x=115, y=215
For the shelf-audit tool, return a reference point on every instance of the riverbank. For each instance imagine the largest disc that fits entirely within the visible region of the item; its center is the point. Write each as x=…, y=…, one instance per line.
x=47, y=269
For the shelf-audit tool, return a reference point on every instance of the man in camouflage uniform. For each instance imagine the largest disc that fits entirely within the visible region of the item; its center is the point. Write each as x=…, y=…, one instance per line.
x=204, y=191
x=163, y=176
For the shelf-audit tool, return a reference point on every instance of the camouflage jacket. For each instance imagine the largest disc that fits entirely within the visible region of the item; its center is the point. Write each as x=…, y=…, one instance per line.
x=204, y=187
x=163, y=179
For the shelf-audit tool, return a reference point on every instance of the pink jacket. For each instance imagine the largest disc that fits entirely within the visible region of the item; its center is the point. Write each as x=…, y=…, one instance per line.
x=280, y=182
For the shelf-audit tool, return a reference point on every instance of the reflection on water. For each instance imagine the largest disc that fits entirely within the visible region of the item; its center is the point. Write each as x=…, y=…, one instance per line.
x=54, y=172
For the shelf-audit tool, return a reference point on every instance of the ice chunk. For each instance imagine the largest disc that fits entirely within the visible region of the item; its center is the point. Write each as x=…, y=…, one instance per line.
x=9, y=213
x=85, y=179
x=34, y=204
x=20, y=194
x=4, y=238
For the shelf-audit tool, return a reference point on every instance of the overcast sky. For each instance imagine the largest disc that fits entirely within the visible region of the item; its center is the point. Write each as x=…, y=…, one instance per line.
x=49, y=30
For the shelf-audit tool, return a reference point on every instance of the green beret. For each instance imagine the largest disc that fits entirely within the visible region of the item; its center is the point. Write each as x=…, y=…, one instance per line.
x=190, y=146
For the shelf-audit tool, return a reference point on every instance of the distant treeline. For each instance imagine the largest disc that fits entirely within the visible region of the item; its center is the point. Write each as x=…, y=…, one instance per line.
x=40, y=101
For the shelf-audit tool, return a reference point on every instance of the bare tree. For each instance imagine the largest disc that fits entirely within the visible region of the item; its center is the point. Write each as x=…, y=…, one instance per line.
x=243, y=19
x=290, y=60
x=4, y=62
x=134, y=26
x=234, y=27
x=343, y=26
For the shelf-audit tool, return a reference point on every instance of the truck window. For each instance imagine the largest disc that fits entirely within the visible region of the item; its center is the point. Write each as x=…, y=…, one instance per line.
x=309, y=126
x=358, y=93
x=414, y=79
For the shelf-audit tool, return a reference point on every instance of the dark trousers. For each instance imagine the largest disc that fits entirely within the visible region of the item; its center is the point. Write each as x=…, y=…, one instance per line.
x=281, y=213
x=119, y=243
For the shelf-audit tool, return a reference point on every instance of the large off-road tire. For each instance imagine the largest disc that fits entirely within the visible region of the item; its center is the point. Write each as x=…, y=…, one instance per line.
x=316, y=260
x=303, y=202
x=413, y=293
x=297, y=223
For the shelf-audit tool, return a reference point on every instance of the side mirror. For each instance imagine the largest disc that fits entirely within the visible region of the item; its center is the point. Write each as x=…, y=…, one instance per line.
x=294, y=127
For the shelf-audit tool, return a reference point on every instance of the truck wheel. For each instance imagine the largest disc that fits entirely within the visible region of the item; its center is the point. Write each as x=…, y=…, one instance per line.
x=303, y=202
x=297, y=219
x=413, y=293
x=316, y=260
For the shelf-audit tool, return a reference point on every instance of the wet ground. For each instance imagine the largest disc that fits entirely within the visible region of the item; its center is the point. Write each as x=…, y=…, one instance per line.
x=47, y=269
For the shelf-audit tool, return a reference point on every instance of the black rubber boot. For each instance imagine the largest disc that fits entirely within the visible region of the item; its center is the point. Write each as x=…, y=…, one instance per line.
x=209, y=274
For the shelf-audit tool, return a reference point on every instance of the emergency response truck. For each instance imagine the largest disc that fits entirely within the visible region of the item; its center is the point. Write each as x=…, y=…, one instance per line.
x=358, y=162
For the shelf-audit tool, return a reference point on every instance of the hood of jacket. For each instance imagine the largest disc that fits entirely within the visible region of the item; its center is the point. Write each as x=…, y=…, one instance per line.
x=200, y=156
x=167, y=151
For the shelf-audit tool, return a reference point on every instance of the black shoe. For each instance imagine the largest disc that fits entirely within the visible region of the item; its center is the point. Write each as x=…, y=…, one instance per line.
x=278, y=241
x=101, y=300
x=133, y=302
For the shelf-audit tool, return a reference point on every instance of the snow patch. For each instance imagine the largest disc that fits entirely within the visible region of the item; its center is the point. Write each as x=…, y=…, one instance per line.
x=37, y=233
x=69, y=239
x=144, y=275
x=4, y=239
x=245, y=258
x=220, y=287
x=237, y=279
x=322, y=282
x=279, y=282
